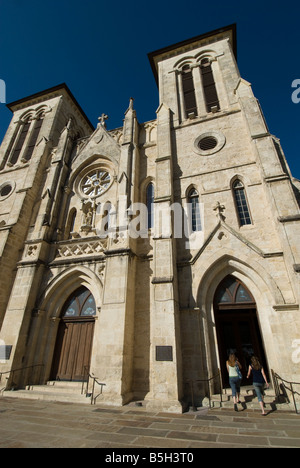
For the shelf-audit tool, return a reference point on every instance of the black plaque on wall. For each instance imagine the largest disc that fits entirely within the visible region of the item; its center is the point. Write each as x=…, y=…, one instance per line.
x=164, y=353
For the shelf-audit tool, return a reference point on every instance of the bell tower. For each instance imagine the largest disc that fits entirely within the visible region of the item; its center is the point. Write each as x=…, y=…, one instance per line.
x=195, y=77
x=33, y=159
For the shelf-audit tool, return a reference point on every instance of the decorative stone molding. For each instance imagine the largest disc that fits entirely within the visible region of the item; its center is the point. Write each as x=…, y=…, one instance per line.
x=84, y=248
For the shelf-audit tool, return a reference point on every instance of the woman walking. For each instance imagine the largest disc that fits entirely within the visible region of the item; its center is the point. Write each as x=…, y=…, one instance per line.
x=259, y=380
x=235, y=378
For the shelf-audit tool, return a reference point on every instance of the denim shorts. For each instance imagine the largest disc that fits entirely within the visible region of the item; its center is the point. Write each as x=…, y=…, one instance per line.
x=235, y=384
x=259, y=389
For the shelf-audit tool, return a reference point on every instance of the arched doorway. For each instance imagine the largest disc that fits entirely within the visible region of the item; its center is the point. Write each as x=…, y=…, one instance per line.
x=72, y=355
x=237, y=326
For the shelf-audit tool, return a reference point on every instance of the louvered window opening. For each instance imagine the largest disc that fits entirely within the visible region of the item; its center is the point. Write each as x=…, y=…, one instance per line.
x=209, y=87
x=33, y=139
x=189, y=92
x=207, y=143
x=16, y=153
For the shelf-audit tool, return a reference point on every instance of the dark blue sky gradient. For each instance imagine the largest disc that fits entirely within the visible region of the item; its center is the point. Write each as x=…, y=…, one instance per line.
x=99, y=49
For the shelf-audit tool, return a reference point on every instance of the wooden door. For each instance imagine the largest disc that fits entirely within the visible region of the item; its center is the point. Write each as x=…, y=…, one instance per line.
x=73, y=350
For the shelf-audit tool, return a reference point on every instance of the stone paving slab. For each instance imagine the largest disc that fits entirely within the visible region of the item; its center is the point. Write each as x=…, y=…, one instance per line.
x=40, y=424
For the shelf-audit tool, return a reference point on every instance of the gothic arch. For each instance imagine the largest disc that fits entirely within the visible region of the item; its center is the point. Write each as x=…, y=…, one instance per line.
x=189, y=189
x=67, y=282
x=253, y=274
x=143, y=187
x=42, y=344
x=262, y=287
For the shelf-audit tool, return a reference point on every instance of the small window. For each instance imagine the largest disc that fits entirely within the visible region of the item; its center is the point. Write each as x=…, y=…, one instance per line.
x=241, y=203
x=194, y=208
x=150, y=205
x=189, y=92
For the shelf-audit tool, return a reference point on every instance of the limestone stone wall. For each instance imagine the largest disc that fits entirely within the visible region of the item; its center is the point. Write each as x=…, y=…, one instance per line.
x=155, y=326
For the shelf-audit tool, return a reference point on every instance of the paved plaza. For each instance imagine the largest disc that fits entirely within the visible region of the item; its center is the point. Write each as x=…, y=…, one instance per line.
x=40, y=424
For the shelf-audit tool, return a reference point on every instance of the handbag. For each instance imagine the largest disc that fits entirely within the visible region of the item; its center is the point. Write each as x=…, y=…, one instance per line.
x=239, y=372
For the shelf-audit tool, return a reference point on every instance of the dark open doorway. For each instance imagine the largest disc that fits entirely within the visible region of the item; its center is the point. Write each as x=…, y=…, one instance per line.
x=237, y=326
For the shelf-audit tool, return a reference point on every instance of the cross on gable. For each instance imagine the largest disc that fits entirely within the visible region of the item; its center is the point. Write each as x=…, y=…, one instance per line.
x=102, y=120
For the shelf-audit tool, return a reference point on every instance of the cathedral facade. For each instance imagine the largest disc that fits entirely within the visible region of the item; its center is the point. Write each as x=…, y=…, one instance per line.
x=144, y=255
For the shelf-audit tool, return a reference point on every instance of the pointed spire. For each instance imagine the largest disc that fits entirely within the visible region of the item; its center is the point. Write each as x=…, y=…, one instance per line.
x=130, y=108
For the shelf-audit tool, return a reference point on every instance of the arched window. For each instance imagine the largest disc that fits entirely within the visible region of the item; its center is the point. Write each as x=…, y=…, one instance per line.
x=241, y=203
x=19, y=144
x=150, y=205
x=189, y=96
x=33, y=139
x=80, y=304
x=209, y=87
x=232, y=293
x=194, y=210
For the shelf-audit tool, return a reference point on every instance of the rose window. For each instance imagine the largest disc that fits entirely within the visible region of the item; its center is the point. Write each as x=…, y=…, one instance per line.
x=95, y=183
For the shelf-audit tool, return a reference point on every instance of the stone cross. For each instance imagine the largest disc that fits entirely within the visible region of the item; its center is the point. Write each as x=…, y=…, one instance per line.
x=102, y=120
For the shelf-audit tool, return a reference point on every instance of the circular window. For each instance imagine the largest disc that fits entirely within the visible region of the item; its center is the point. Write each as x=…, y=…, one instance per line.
x=209, y=143
x=5, y=190
x=95, y=183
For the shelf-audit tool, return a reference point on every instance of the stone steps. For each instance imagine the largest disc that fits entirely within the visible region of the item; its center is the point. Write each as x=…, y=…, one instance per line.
x=68, y=392
x=249, y=400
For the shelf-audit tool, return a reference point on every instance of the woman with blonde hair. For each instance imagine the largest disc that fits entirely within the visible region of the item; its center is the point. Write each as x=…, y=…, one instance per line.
x=235, y=378
x=259, y=380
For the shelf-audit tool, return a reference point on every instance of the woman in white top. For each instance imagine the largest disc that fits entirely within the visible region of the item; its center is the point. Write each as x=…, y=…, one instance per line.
x=235, y=378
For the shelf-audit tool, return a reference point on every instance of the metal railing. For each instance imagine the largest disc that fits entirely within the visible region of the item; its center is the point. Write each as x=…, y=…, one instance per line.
x=281, y=386
x=11, y=375
x=95, y=380
x=208, y=382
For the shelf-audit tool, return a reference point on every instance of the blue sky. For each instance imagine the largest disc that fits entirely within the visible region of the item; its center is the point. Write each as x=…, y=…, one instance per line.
x=99, y=48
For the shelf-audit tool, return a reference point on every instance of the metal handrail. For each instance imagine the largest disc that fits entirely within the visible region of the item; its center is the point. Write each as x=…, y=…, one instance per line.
x=13, y=371
x=192, y=382
x=277, y=387
x=95, y=381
